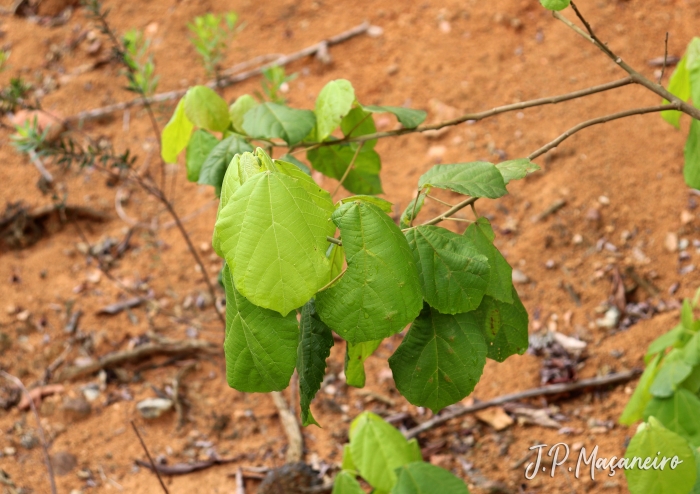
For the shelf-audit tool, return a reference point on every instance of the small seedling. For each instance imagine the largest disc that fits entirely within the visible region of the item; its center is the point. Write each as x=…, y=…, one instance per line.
x=211, y=35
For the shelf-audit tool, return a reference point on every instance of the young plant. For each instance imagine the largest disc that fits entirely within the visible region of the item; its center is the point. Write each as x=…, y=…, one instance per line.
x=383, y=457
x=141, y=68
x=668, y=399
x=212, y=33
x=275, y=82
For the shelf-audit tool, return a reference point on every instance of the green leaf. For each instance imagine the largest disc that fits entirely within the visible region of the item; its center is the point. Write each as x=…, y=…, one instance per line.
x=476, y=179
x=345, y=483
x=653, y=440
x=260, y=345
x=315, y=342
x=336, y=255
x=206, y=109
x=382, y=204
x=505, y=327
x=332, y=104
x=440, y=359
x=238, y=109
x=291, y=159
x=347, y=463
x=692, y=382
x=665, y=340
x=691, y=351
x=679, y=413
x=355, y=356
x=691, y=170
x=634, y=410
x=687, y=318
x=201, y=144
x=411, y=211
x=380, y=291
x=332, y=161
x=500, y=284
x=693, y=65
x=516, y=169
x=217, y=161
x=270, y=120
x=359, y=123
x=273, y=235
x=678, y=85
x=378, y=450
x=555, y=4
x=696, y=487
x=407, y=117
x=673, y=371
x=176, y=134
x=423, y=478
x=453, y=274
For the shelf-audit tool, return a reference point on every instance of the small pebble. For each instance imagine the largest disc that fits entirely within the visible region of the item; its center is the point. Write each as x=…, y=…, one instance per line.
x=610, y=319
x=671, y=242
x=683, y=244
x=519, y=277
x=151, y=408
x=604, y=200
x=550, y=264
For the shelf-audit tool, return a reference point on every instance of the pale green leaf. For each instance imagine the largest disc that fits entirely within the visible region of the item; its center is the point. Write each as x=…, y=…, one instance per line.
x=217, y=161
x=555, y=4
x=691, y=350
x=679, y=413
x=176, y=134
x=273, y=235
x=678, y=85
x=516, y=169
x=206, y=109
x=423, y=478
x=378, y=450
x=382, y=204
x=332, y=161
x=345, y=483
x=336, y=255
x=500, y=278
x=665, y=340
x=440, y=359
x=238, y=109
x=332, y=104
x=693, y=64
x=476, y=179
x=634, y=410
x=672, y=372
x=505, y=326
x=411, y=211
x=359, y=123
x=347, y=463
x=355, y=356
x=696, y=487
x=270, y=120
x=691, y=169
x=199, y=147
x=315, y=342
x=260, y=345
x=380, y=291
x=408, y=117
x=653, y=440
x=453, y=274
x=291, y=159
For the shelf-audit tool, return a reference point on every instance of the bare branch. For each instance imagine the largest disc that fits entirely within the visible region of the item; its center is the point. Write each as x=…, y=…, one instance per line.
x=153, y=464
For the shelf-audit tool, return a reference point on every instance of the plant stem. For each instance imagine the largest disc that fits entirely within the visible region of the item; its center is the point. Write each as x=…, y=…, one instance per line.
x=153, y=465
x=333, y=280
x=334, y=240
x=348, y=169
x=439, y=200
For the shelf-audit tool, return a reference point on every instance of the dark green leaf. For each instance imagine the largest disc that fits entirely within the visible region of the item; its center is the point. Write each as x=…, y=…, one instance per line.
x=516, y=169
x=201, y=144
x=691, y=170
x=333, y=103
x=382, y=204
x=206, y=109
x=500, y=277
x=260, y=344
x=412, y=211
x=653, y=440
x=440, y=359
x=476, y=179
x=679, y=413
x=407, y=117
x=505, y=326
x=315, y=342
x=270, y=120
x=218, y=159
x=453, y=274
x=359, y=123
x=423, y=478
x=380, y=291
x=355, y=356
x=332, y=161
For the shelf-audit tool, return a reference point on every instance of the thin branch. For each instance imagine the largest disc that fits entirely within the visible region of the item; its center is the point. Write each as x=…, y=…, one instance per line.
x=663, y=67
x=42, y=437
x=333, y=280
x=553, y=389
x=334, y=240
x=636, y=77
x=295, y=441
x=40, y=166
x=227, y=80
x=348, y=169
x=600, y=120
x=451, y=211
x=153, y=464
x=439, y=200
